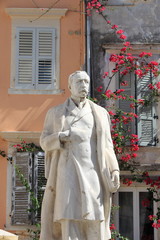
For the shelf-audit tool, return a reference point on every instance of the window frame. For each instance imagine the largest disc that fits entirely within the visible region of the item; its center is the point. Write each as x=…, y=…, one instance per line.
x=136, y=220
x=29, y=18
x=115, y=49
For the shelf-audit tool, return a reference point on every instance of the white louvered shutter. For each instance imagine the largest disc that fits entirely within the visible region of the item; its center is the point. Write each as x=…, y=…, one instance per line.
x=20, y=197
x=146, y=121
x=35, y=66
x=39, y=180
x=25, y=66
x=45, y=56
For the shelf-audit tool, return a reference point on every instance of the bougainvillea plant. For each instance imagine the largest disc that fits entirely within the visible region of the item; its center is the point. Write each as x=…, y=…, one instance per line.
x=125, y=142
x=23, y=146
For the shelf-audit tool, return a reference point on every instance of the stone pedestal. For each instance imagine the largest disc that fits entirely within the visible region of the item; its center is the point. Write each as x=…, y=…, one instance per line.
x=7, y=236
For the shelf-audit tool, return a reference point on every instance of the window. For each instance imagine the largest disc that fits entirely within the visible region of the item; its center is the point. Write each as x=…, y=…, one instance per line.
x=31, y=165
x=145, y=125
x=118, y=2
x=35, y=59
x=35, y=50
x=132, y=218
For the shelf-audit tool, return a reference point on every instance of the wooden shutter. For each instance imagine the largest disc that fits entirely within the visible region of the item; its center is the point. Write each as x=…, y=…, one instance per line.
x=146, y=120
x=35, y=66
x=39, y=180
x=20, y=197
x=25, y=71
x=45, y=59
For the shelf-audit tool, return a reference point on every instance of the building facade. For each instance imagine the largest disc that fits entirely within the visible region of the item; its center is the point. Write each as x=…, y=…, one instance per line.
x=41, y=43
x=140, y=22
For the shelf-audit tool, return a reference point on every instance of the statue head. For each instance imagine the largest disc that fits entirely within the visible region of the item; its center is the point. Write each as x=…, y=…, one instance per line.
x=78, y=84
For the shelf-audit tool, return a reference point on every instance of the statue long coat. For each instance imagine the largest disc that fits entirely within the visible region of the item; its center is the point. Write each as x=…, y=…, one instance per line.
x=54, y=123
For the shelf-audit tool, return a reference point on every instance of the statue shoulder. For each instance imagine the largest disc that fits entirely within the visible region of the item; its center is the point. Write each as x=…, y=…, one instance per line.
x=98, y=108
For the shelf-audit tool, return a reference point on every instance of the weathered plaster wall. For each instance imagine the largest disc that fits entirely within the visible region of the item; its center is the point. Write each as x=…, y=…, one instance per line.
x=140, y=22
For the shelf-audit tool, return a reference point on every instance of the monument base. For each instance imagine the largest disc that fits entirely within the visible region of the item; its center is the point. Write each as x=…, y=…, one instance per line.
x=7, y=236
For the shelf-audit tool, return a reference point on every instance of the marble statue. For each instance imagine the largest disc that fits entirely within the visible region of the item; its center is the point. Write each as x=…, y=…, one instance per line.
x=80, y=166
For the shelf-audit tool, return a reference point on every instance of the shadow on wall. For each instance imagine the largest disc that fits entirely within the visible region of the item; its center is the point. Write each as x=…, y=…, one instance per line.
x=27, y=115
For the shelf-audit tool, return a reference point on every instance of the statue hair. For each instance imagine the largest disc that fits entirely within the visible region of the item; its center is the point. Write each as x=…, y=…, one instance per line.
x=72, y=76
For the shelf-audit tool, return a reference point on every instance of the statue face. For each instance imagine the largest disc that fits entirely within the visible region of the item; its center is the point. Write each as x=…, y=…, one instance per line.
x=80, y=86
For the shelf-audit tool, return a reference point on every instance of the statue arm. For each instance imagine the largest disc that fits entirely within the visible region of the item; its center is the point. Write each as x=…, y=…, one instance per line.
x=111, y=157
x=49, y=139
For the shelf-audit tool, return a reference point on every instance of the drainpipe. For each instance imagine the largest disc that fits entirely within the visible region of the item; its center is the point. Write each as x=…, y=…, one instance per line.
x=88, y=48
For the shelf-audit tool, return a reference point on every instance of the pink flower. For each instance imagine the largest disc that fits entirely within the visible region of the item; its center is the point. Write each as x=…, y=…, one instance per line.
x=134, y=147
x=119, y=91
x=158, y=85
x=141, y=101
x=115, y=135
x=120, y=31
x=134, y=155
x=150, y=217
x=108, y=93
x=123, y=36
x=111, y=113
x=126, y=44
x=139, y=72
x=108, y=22
x=115, y=70
x=142, y=54
x=124, y=83
x=105, y=74
x=133, y=114
x=145, y=54
x=153, y=63
x=127, y=181
x=123, y=49
x=130, y=58
x=113, y=58
x=156, y=225
x=99, y=89
x=114, y=26
x=134, y=135
x=112, y=227
x=126, y=158
x=132, y=105
x=121, y=62
x=150, y=86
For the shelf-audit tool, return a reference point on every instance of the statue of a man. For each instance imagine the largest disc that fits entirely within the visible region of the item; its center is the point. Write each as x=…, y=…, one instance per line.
x=81, y=167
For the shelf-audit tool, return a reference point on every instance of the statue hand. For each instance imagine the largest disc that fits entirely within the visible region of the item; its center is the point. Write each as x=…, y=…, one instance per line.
x=64, y=136
x=115, y=178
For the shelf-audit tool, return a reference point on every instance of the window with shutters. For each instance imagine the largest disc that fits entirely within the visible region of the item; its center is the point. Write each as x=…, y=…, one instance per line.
x=35, y=51
x=145, y=125
x=35, y=60
x=31, y=165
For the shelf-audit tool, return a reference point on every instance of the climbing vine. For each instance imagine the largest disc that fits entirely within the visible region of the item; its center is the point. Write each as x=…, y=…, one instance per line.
x=126, y=143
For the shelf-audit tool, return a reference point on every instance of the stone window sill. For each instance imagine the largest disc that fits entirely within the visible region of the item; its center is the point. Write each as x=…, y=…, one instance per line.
x=35, y=92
